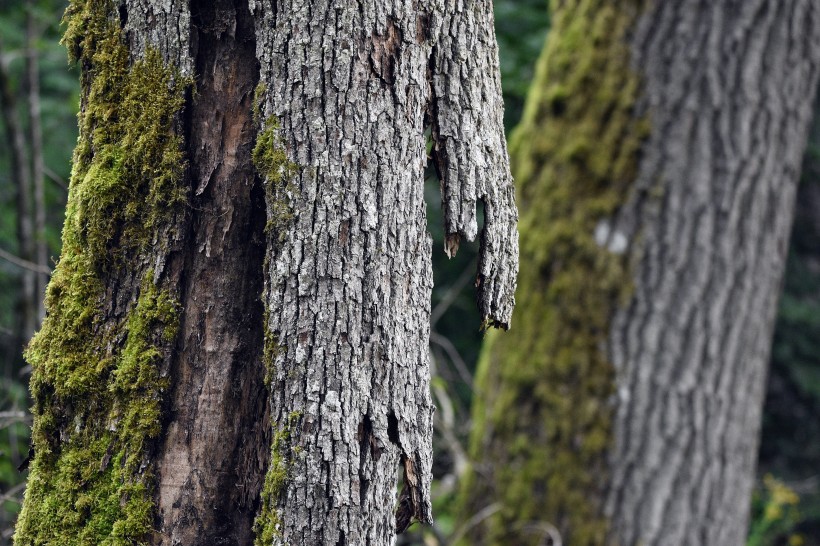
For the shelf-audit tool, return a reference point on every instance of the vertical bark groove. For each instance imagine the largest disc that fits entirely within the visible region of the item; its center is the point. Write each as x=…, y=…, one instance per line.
x=212, y=461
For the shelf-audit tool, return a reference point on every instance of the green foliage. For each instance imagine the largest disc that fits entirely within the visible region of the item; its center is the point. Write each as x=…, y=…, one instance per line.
x=520, y=27
x=95, y=382
x=790, y=443
x=541, y=419
x=774, y=515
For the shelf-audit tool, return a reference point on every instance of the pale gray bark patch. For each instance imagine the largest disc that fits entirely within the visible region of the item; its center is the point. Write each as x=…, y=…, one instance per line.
x=161, y=24
x=728, y=91
x=349, y=283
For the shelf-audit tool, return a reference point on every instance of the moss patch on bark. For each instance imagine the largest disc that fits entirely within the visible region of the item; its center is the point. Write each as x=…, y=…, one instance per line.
x=271, y=161
x=268, y=523
x=543, y=411
x=277, y=170
x=96, y=382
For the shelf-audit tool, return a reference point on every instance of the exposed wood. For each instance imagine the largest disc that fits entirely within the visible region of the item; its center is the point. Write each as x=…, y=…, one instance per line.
x=216, y=446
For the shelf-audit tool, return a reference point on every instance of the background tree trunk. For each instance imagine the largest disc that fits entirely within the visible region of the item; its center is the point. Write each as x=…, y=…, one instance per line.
x=648, y=295
x=347, y=91
x=152, y=422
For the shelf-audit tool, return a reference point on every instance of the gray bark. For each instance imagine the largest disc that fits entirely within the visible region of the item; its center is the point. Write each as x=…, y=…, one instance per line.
x=728, y=90
x=352, y=87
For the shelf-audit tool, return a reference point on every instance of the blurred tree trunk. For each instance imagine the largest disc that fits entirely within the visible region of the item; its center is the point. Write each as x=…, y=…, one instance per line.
x=274, y=218
x=21, y=176
x=657, y=162
x=40, y=253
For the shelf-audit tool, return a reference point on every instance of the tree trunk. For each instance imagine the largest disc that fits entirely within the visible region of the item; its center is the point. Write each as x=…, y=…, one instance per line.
x=346, y=93
x=21, y=177
x=37, y=162
x=152, y=416
x=657, y=162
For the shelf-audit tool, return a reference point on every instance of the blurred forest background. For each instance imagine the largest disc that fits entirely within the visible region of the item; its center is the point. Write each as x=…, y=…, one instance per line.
x=39, y=94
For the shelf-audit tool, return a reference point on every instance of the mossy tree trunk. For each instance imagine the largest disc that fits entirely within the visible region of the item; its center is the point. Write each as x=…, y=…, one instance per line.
x=235, y=347
x=657, y=161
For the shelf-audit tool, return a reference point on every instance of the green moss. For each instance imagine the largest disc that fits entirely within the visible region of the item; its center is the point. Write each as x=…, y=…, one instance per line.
x=270, y=156
x=271, y=161
x=542, y=416
x=268, y=522
x=95, y=381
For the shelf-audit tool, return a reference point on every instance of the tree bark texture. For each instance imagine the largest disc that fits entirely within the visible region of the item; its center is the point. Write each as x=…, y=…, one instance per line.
x=228, y=152
x=651, y=273
x=348, y=90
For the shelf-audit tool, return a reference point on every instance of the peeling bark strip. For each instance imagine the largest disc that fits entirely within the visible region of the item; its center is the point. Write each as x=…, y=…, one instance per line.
x=628, y=400
x=347, y=90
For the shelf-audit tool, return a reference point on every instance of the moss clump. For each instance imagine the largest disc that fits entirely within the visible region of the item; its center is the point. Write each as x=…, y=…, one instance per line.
x=542, y=417
x=271, y=160
x=95, y=382
x=270, y=156
x=259, y=93
x=268, y=523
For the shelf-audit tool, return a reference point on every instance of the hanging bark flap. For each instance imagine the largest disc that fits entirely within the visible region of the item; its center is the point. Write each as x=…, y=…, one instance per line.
x=470, y=154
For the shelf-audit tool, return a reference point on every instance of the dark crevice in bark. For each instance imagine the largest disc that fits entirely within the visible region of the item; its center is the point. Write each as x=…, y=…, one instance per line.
x=122, y=11
x=393, y=429
x=216, y=447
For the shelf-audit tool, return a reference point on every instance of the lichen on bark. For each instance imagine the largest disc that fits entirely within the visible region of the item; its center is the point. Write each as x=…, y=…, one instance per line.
x=96, y=380
x=542, y=420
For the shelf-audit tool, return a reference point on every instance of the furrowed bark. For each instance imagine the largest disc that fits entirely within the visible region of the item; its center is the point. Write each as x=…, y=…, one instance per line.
x=152, y=421
x=691, y=348
x=345, y=91
x=657, y=162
